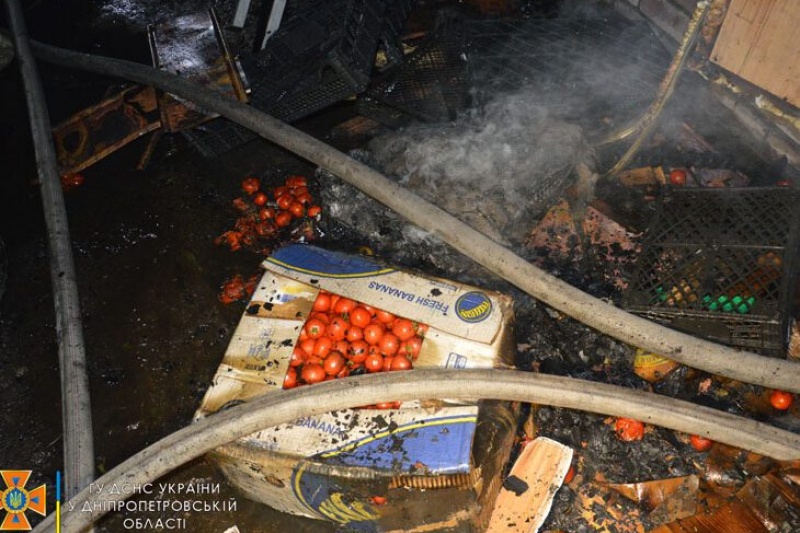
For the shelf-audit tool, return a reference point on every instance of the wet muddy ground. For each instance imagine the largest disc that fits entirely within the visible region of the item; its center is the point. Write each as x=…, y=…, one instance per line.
x=149, y=275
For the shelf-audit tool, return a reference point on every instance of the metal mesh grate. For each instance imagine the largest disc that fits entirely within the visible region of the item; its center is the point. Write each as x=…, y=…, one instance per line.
x=583, y=67
x=720, y=263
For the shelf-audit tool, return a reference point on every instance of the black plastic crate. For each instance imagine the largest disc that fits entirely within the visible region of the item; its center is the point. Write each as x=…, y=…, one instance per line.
x=320, y=56
x=721, y=264
x=395, y=22
x=432, y=85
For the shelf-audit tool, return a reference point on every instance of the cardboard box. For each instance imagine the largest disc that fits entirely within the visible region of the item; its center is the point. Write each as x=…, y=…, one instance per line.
x=431, y=463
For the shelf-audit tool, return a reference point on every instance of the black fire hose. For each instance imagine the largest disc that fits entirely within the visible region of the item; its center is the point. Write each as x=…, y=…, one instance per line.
x=685, y=349
x=76, y=409
x=284, y=406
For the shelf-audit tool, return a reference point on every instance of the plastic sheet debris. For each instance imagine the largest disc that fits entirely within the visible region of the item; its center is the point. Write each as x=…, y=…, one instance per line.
x=652, y=367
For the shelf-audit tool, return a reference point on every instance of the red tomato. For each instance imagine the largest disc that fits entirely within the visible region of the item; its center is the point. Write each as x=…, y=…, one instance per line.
x=265, y=229
x=387, y=363
x=307, y=346
x=322, y=303
x=389, y=344
x=314, y=210
x=358, y=351
x=781, y=400
x=344, y=306
x=379, y=500
x=283, y=219
x=403, y=328
x=374, y=362
x=384, y=316
x=290, y=380
x=284, y=201
x=342, y=346
x=296, y=180
x=240, y=205
x=677, y=177
x=298, y=357
x=334, y=363
x=400, y=362
x=701, y=444
x=266, y=213
x=373, y=333
x=629, y=429
x=354, y=333
x=337, y=329
x=322, y=347
x=322, y=317
x=420, y=329
x=298, y=191
x=783, y=183
x=251, y=185
x=260, y=199
x=344, y=372
x=280, y=191
x=315, y=328
x=304, y=198
x=296, y=209
x=360, y=317
x=411, y=347
x=312, y=373
x=570, y=475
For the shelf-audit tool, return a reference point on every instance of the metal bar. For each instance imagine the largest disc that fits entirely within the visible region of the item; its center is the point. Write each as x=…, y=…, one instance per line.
x=241, y=13
x=274, y=22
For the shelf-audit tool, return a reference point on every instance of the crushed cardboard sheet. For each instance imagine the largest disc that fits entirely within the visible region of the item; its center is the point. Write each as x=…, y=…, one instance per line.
x=538, y=473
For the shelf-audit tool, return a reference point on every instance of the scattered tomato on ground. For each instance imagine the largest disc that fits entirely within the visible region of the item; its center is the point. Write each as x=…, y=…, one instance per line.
x=263, y=224
x=781, y=400
x=701, y=444
x=628, y=429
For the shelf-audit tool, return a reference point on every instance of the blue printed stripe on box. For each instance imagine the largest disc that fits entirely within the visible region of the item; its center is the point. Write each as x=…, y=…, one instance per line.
x=326, y=263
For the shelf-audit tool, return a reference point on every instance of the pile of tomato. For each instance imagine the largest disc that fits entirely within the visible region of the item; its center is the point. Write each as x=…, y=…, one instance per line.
x=266, y=215
x=237, y=288
x=343, y=336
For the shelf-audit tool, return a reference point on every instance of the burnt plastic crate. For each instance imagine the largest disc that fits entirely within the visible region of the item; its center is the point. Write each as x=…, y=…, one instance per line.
x=432, y=84
x=217, y=136
x=720, y=264
x=321, y=55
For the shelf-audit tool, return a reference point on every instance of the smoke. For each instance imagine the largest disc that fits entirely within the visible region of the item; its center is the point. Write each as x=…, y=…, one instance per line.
x=497, y=168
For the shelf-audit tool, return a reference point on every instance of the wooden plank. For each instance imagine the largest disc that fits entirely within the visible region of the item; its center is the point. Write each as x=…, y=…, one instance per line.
x=523, y=504
x=757, y=42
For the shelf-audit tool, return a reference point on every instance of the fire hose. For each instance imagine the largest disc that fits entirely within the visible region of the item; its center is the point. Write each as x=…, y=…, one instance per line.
x=76, y=404
x=685, y=349
x=284, y=406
